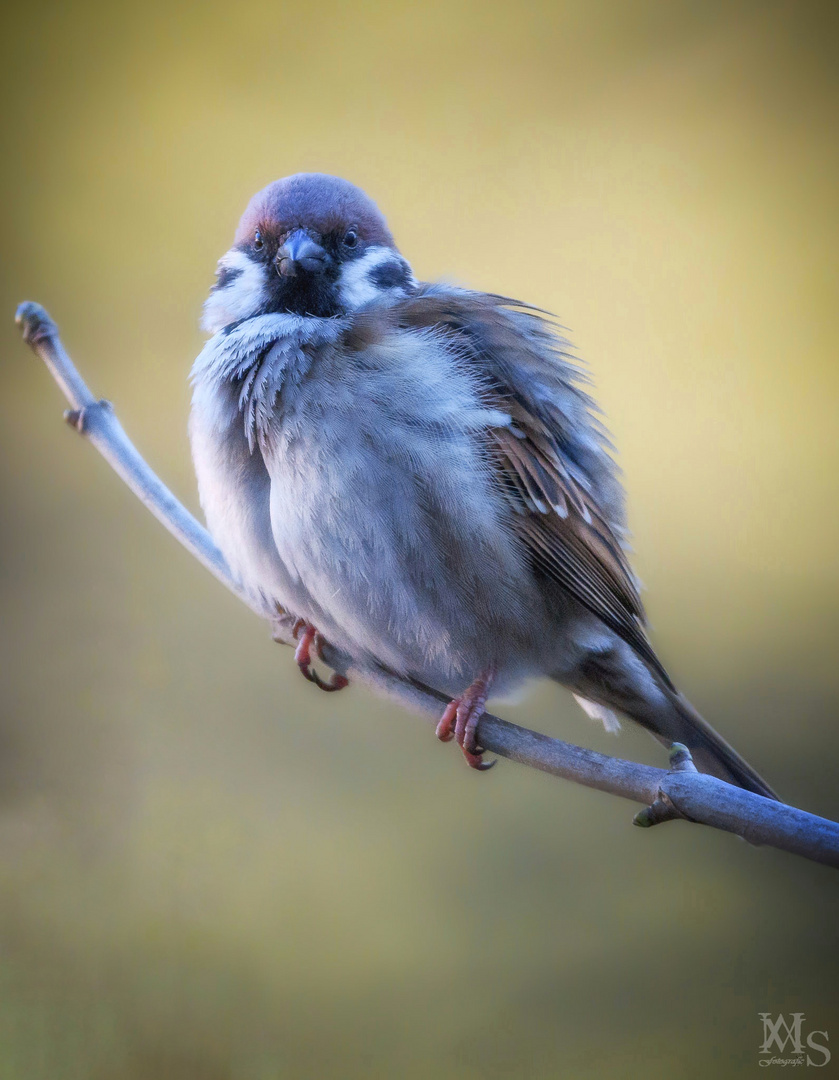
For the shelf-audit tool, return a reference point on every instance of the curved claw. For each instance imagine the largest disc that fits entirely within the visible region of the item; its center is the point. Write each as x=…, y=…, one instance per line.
x=336, y=681
x=444, y=728
x=460, y=721
x=475, y=761
x=303, y=658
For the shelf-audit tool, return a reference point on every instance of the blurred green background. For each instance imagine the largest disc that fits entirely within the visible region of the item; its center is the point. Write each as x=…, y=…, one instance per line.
x=210, y=871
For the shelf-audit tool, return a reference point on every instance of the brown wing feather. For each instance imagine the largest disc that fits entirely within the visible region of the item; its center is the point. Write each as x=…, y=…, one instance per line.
x=577, y=549
x=566, y=533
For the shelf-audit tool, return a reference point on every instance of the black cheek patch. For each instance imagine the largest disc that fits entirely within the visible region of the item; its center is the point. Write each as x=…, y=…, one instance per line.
x=227, y=275
x=389, y=275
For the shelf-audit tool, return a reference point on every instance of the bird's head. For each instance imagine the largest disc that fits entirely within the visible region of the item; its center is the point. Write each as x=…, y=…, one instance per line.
x=307, y=245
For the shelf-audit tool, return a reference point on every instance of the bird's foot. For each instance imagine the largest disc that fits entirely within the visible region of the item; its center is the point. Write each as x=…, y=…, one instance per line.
x=460, y=720
x=307, y=637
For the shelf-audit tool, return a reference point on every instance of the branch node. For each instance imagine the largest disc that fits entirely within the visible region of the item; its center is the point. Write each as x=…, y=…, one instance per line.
x=680, y=759
x=79, y=418
x=660, y=810
x=35, y=323
x=663, y=808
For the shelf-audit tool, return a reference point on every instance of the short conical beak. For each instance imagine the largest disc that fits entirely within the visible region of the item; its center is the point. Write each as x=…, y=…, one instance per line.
x=300, y=252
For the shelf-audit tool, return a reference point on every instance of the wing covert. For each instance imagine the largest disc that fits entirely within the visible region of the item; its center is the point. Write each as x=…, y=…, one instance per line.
x=552, y=460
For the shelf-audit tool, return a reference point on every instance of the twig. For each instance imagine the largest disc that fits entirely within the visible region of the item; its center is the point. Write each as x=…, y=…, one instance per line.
x=680, y=792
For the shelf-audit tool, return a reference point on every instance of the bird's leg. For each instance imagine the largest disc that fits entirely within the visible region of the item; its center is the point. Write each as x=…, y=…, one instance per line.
x=460, y=719
x=307, y=636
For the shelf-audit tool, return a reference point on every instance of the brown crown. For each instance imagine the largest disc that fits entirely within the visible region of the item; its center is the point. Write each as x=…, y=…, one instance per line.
x=314, y=201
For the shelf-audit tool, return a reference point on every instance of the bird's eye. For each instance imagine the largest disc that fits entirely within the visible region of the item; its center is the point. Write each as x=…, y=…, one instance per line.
x=258, y=242
x=350, y=238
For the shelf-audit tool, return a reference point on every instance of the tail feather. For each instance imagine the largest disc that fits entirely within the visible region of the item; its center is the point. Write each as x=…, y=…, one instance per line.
x=619, y=679
x=712, y=754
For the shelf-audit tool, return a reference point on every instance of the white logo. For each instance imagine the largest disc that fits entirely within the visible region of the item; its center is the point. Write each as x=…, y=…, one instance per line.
x=780, y=1034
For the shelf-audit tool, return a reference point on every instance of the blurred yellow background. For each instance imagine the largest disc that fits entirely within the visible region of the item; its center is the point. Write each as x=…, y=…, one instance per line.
x=210, y=871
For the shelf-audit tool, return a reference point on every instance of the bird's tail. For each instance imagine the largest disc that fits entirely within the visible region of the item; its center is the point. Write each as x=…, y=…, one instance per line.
x=616, y=680
x=680, y=722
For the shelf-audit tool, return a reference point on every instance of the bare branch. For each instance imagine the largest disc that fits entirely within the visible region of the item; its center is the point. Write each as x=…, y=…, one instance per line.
x=680, y=792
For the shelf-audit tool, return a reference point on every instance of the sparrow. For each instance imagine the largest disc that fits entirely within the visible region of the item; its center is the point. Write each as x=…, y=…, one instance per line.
x=417, y=473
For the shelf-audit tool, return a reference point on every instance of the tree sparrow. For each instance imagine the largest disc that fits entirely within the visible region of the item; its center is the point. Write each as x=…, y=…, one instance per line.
x=416, y=473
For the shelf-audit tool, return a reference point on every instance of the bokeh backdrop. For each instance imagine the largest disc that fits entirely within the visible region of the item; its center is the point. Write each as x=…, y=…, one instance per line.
x=210, y=871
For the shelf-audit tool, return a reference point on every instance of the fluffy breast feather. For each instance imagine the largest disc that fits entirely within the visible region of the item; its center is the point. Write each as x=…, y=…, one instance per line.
x=382, y=501
x=381, y=520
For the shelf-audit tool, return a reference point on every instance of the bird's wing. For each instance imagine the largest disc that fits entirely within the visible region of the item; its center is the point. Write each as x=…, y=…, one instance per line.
x=551, y=462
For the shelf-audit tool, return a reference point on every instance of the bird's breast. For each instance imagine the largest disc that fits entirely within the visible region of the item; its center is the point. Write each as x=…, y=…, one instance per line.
x=383, y=506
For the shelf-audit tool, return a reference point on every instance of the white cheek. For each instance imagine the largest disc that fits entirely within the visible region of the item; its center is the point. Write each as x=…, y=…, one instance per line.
x=356, y=288
x=241, y=298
